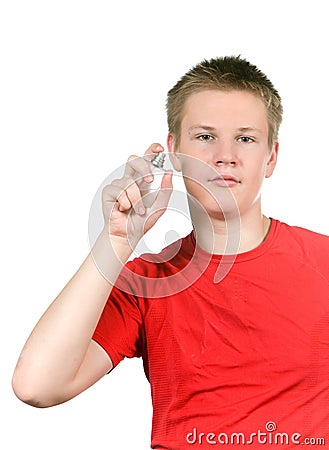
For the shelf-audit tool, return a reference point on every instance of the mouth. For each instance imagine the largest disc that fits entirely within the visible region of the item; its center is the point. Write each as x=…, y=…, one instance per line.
x=224, y=180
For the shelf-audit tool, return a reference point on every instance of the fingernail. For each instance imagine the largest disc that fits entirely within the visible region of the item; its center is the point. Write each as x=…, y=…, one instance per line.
x=141, y=211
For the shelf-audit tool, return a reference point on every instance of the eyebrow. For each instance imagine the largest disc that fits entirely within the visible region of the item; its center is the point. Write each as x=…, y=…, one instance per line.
x=249, y=129
x=209, y=128
x=201, y=127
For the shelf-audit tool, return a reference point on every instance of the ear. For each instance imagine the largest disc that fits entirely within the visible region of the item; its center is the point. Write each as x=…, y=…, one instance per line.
x=173, y=153
x=272, y=160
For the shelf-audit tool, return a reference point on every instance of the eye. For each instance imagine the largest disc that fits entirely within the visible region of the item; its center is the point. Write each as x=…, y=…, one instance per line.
x=205, y=137
x=246, y=139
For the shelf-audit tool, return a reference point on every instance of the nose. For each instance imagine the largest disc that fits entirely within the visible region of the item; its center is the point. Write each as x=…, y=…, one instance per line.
x=222, y=162
x=224, y=154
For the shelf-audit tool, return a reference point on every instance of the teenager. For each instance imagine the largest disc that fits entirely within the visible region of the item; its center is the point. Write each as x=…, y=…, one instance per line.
x=237, y=355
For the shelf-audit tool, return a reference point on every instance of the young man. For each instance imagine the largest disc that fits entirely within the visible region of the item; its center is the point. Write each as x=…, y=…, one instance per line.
x=237, y=356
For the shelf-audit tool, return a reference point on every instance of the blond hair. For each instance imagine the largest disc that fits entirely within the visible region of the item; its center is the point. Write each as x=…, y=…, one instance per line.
x=227, y=73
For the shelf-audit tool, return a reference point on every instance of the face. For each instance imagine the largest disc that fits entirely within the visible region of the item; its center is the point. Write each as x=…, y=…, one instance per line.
x=223, y=151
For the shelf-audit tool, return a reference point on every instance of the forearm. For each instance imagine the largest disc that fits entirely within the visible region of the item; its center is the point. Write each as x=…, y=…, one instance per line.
x=60, y=359
x=57, y=346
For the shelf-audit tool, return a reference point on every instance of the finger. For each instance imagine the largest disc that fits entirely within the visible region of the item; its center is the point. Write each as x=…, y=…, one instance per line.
x=112, y=195
x=130, y=197
x=153, y=150
x=163, y=196
x=111, y=192
x=124, y=202
x=138, y=168
x=166, y=181
x=115, y=192
x=160, y=203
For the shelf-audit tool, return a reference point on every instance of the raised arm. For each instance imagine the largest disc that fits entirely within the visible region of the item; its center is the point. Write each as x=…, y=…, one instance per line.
x=60, y=359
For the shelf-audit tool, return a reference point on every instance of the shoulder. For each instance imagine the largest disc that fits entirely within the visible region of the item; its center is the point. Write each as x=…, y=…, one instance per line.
x=304, y=237
x=151, y=275
x=173, y=256
x=169, y=261
x=308, y=246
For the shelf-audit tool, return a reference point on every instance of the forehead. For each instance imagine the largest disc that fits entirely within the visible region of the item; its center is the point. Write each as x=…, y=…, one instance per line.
x=225, y=108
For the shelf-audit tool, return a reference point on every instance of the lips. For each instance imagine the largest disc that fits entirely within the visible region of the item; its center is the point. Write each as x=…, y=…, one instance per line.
x=225, y=180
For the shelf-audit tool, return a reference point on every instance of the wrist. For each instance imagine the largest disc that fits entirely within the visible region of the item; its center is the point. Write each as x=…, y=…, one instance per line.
x=110, y=254
x=119, y=246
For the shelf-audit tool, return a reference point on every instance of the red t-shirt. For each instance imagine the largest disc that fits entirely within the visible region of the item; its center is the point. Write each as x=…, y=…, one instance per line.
x=242, y=362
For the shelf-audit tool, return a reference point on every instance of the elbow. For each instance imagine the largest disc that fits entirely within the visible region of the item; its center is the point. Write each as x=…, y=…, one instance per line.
x=28, y=393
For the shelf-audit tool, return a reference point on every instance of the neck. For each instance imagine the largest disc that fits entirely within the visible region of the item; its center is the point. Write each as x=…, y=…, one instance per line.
x=230, y=235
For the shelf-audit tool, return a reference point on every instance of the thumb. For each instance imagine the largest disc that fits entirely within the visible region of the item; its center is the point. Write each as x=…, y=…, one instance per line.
x=163, y=196
x=161, y=201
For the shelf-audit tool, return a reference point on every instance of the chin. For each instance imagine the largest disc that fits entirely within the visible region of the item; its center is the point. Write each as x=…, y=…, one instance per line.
x=224, y=214
x=220, y=209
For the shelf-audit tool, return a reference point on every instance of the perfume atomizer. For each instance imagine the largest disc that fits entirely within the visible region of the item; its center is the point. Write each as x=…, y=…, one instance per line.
x=149, y=190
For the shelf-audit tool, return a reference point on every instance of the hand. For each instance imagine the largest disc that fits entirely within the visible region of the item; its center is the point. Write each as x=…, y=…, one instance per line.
x=125, y=215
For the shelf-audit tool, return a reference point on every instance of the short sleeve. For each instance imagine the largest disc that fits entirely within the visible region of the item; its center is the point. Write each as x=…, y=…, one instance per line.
x=119, y=330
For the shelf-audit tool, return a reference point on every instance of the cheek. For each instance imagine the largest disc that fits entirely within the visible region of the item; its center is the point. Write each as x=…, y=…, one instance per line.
x=256, y=170
x=195, y=169
x=203, y=196
x=193, y=186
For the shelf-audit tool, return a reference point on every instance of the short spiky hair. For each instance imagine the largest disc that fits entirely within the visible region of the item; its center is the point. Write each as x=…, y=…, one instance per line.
x=227, y=73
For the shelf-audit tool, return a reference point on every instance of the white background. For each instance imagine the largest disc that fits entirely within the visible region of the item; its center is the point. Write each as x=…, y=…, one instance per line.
x=82, y=86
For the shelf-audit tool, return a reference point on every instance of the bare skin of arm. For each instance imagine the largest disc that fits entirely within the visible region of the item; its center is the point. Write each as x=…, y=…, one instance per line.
x=60, y=359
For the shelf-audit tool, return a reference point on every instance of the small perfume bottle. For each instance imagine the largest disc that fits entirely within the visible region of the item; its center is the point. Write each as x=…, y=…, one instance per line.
x=149, y=190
